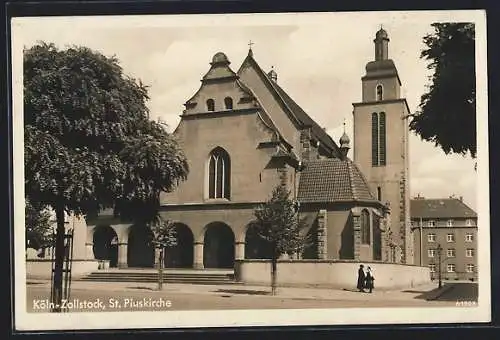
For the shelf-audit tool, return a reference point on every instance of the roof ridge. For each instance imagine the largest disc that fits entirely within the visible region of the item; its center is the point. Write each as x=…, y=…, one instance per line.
x=363, y=178
x=351, y=186
x=270, y=82
x=264, y=111
x=284, y=98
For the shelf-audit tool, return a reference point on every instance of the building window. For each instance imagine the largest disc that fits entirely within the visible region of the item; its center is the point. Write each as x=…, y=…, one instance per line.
x=469, y=237
x=431, y=252
x=219, y=174
x=468, y=223
x=450, y=268
x=365, y=227
x=449, y=223
x=378, y=139
x=431, y=223
x=228, y=102
x=380, y=92
x=450, y=238
x=210, y=105
x=432, y=268
x=431, y=238
x=450, y=252
x=469, y=252
x=470, y=268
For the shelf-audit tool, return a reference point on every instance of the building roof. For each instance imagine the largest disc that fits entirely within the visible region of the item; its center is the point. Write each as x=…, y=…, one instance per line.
x=295, y=110
x=440, y=208
x=333, y=180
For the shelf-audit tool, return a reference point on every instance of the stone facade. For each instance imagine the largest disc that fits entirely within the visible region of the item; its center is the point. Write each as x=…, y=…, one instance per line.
x=243, y=135
x=388, y=173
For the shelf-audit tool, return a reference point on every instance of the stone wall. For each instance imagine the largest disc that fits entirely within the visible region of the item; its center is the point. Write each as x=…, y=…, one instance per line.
x=42, y=268
x=330, y=274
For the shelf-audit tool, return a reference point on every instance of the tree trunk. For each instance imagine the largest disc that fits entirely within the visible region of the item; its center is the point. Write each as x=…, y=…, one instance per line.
x=59, y=261
x=160, y=270
x=274, y=269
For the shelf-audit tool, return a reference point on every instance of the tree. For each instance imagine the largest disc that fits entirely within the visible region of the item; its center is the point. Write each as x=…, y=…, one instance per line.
x=164, y=236
x=38, y=226
x=447, y=112
x=89, y=143
x=277, y=222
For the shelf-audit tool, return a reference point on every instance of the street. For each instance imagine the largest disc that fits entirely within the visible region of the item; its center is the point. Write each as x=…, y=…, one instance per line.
x=189, y=297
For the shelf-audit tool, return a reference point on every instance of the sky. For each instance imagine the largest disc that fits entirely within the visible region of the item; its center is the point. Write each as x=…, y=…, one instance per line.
x=319, y=57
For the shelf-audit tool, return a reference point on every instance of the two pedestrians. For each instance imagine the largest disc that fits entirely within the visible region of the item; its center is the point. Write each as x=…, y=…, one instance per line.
x=365, y=280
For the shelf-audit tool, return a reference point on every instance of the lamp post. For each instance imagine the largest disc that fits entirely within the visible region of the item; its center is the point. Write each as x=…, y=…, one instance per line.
x=439, y=251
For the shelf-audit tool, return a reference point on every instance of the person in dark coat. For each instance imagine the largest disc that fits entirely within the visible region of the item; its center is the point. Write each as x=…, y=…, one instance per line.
x=369, y=279
x=361, y=279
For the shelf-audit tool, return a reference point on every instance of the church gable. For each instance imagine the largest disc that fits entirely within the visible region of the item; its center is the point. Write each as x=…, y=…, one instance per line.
x=221, y=90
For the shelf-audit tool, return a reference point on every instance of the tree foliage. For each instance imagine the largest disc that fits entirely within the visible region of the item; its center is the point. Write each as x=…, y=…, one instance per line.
x=89, y=143
x=277, y=223
x=164, y=233
x=447, y=112
x=39, y=228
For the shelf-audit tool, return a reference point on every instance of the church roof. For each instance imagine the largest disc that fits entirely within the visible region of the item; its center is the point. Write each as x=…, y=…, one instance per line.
x=333, y=180
x=294, y=109
x=440, y=208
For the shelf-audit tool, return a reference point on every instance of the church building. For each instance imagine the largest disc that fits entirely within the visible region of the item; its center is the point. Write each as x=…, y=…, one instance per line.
x=243, y=135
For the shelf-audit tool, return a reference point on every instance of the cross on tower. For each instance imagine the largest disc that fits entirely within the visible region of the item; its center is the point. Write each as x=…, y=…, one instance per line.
x=250, y=44
x=344, y=125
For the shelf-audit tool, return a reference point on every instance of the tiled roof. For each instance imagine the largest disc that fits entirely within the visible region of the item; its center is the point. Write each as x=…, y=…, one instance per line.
x=333, y=180
x=440, y=208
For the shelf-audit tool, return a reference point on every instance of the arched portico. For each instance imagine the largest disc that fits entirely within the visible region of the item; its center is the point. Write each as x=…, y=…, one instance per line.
x=181, y=255
x=140, y=252
x=218, y=248
x=105, y=244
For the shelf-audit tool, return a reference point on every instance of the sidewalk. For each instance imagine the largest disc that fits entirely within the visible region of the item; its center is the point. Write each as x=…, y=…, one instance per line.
x=425, y=292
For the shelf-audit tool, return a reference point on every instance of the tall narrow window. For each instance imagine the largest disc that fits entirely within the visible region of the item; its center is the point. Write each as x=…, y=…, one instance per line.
x=380, y=93
x=375, y=154
x=378, y=139
x=365, y=227
x=210, y=105
x=381, y=143
x=228, y=102
x=219, y=172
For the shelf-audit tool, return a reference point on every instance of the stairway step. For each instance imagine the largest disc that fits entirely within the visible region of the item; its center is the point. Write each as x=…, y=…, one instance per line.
x=149, y=275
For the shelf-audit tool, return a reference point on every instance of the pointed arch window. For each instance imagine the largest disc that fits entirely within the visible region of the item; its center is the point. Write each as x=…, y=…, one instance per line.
x=365, y=227
x=380, y=92
x=378, y=139
x=228, y=102
x=210, y=105
x=219, y=174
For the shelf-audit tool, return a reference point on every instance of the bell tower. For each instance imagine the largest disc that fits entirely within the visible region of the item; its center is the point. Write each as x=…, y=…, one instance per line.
x=381, y=144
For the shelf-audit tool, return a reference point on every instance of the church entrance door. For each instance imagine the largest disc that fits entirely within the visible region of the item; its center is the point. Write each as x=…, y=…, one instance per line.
x=140, y=252
x=218, y=249
x=180, y=255
x=105, y=245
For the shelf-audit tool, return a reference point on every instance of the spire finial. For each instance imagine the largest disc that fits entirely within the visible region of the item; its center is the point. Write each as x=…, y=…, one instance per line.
x=344, y=125
x=250, y=52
